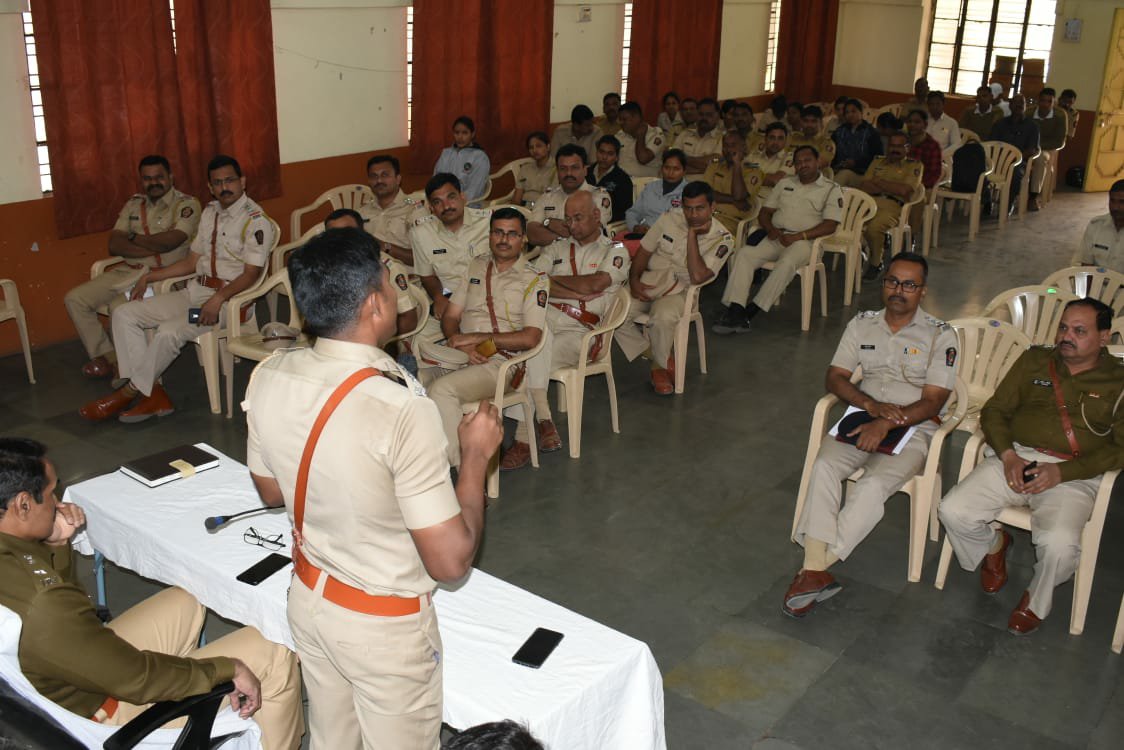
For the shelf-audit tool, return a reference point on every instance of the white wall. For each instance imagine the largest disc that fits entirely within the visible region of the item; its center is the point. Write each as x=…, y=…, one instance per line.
x=341, y=80
x=745, y=38
x=881, y=44
x=19, y=167
x=586, y=60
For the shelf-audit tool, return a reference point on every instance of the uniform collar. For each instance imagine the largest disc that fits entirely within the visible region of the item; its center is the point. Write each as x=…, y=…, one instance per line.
x=165, y=201
x=1047, y=117
x=519, y=265
x=350, y=351
x=23, y=546
x=1104, y=359
x=236, y=208
x=919, y=317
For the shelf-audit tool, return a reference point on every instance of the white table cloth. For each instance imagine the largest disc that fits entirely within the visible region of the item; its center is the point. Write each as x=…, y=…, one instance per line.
x=600, y=689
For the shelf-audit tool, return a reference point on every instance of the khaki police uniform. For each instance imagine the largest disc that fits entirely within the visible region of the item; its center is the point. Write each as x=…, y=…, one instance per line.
x=655, y=140
x=552, y=204
x=379, y=471
x=757, y=158
x=565, y=257
x=821, y=142
x=692, y=143
x=1101, y=245
x=148, y=653
x=905, y=172
x=444, y=254
x=563, y=135
x=173, y=211
x=534, y=180
x=1052, y=131
x=895, y=368
x=606, y=127
x=392, y=224
x=799, y=207
x=236, y=236
x=1023, y=415
x=668, y=273
x=720, y=176
x=400, y=280
x=519, y=298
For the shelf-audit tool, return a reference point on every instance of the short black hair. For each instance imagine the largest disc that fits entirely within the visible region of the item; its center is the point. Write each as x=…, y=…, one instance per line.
x=155, y=160
x=841, y=99
x=610, y=95
x=340, y=213
x=581, y=113
x=675, y=153
x=385, y=159
x=496, y=735
x=853, y=102
x=632, y=107
x=777, y=125
x=466, y=121
x=1104, y=313
x=911, y=258
x=1117, y=187
x=807, y=147
x=708, y=100
x=920, y=112
x=21, y=469
x=743, y=105
x=508, y=212
x=669, y=95
x=572, y=149
x=812, y=111
x=691, y=99
x=1069, y=92
x=933, y=94
x=887, y=120
x=797, y=106
x=537, y=135
x=440, y=180
x=611, y=140
x=222, y=160
x=728, y=106
x=331, y=277
x=697, y=188
x=1048, y=91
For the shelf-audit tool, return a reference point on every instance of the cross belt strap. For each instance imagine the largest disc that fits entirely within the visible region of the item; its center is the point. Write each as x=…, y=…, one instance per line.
x=1063, y=414
x=337, y=591
x=521, y=368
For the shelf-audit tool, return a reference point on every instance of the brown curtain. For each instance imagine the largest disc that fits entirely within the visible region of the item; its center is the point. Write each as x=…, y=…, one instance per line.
x=488, y=59
x=674, y=47
x=229, y=102
x=108, y=77
x=806, y=49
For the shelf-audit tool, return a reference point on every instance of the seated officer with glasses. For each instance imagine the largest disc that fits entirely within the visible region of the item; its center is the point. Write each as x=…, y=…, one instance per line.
x=228, y=254
x=908, y=361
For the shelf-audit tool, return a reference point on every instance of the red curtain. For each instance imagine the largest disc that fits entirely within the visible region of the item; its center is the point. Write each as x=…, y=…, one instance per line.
x=806, y=49
x=108, y=77
x=224, y=56
x=488, y=59
x=674, y=47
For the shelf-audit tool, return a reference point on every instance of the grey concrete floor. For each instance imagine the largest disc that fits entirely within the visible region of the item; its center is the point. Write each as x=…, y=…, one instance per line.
x=676, y=532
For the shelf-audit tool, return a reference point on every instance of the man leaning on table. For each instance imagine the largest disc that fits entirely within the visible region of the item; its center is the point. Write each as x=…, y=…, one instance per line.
x=380, y=522
x=110, y=672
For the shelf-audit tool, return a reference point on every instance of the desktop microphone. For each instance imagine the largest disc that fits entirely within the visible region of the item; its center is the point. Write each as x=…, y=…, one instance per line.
x=215, y=522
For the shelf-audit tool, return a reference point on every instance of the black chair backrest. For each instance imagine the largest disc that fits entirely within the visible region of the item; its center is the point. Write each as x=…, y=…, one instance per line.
x=25, y=726
x=968, y=163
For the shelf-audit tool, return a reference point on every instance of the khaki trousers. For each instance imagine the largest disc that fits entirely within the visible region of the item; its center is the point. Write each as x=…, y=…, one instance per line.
x=844, y=524
x=82, y=303
x=170, y=623
x=663, y=315
x=747, y=259
x=143, y=362
x=452, y=390
x=373, y=682
x=1057, y=518
x=889, y=211
x=1038, y=172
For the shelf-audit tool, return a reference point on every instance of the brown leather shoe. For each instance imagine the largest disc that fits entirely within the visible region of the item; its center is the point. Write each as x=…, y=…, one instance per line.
x=663, y=382
x=1032, y=203
x=809, y=588
x=98, y=368
x=155, y=405
x=549, y=439
x=107, y=406
x=1023, y=621
x=516, y=457
x=993, y=572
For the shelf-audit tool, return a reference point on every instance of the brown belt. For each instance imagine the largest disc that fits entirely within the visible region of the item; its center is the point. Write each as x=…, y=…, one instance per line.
x=211, y=282
x=1056, y=454
x=585, y=317
x=349, y=597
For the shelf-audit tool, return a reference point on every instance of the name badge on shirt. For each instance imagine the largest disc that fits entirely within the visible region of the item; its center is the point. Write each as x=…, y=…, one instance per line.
x=1044, y=383
x=790, y=190
x=439, y=251
x=474, y=281
x=867, y=346
x=668, y=238
x=1101, y=247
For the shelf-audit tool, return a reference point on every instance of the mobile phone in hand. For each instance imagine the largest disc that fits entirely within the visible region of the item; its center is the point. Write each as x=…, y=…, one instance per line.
x=193, y=315
x=1027, y=476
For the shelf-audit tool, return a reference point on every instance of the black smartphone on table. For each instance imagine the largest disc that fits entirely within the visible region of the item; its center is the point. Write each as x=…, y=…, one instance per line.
x=263, y=569
x=535, y=649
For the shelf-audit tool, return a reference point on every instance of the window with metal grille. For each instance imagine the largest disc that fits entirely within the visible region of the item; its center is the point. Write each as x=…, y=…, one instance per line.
x=968, y=36
x=771, y=45
x=36, y=104
x=626, y=45
x=409, y=70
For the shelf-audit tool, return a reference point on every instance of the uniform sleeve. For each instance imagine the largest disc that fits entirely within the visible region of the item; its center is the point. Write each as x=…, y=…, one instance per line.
x=420, y=465
x=64, y=639
x=257, y=241
x=186, y=218
x=1084, y=254
x=942, y=363
x=254, y=460
x=606, y=206
x=717, y=251
x=652, y=237
x=996, y=414
x=617, y=262
x=201, y=245
x=828, y=149
x=423, y=265
x=656, y=142
x=534, y=302
x=538, y=213
x=461, y=294
x=833, y=204
x=708, y=175
x=402, y=289
x=545, y=262
x=773, y=199
x=122, y=224
x=846, y=355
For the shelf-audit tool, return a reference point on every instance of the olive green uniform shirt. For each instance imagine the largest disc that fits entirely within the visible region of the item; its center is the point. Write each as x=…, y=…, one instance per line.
x=1024, y=410
x=1052, y=129
x=66, y=652
x=980, y=123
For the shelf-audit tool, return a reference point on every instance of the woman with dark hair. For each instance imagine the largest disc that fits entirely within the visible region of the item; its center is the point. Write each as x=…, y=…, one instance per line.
x=465, y=159
x=535, y=178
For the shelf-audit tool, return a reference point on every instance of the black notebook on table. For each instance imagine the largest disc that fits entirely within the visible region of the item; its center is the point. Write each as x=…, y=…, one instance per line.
x=167, y=466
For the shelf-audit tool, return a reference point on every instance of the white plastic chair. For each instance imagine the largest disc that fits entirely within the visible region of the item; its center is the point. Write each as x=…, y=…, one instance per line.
x=1024, y=188
x=931, y=211
x=1051, y=182
x=571, y=380
x=901, y=236
x=944, y=192
x=342, y=196
x=922, y=489
x=1118, y=634
x=10, y=309
x=1035, y=310
x=1003, y=158
x=277, y=260
x=91, y=733
x=1088, y=281
x=858, y=209
x=1019, y=517
x=638, y=185
x=511, y=168
x=988, y=349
